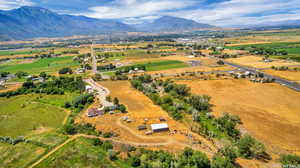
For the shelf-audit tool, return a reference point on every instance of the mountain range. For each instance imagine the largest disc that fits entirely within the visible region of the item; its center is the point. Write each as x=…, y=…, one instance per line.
x=30, y=22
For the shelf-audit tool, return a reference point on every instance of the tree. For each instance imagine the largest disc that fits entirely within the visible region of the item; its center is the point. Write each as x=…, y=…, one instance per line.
x=112, y=155
x=108, y=98
x=69, y=129
x=221, y=162
x=135, y=161
x=20, y=74
x=43, y=75
x=116, y=101
x=65, y=71
x=288, y=159
x=97, y=142
x=229, y=152
x=220, y=62
x=122, y=108
x=250, y=147
x=4, y=74
x=28, y=85
x=67, y=104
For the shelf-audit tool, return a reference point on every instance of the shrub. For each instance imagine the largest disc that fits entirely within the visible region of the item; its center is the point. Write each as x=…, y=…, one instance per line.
x=290, y=160
x=112, y=155
x=250, y=147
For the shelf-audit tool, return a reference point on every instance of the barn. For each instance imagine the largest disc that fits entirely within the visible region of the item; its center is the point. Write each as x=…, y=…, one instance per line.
x=159, y=127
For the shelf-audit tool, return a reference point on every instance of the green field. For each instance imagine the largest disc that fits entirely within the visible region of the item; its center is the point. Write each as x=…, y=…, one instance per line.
x=20, y=155
x=80, y=153
x=293, y=49
x=23, y=114
x=162, y=65
x=23, y=154
x=21, y=52
x=49, y=65
x=141, y=54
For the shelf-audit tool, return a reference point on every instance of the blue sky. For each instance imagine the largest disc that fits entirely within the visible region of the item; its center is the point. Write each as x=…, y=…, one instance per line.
x=224, y=13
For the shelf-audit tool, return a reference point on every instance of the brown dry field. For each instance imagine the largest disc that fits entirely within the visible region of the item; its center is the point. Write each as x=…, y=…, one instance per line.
x=257, y=62
x=139, y=108
x=11, y=88
x=246, y=40
x=269, y=112
x=289, y=75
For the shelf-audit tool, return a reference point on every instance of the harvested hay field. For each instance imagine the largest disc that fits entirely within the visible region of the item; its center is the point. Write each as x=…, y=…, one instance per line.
x=140, y=108
x=269, y=112
x=257, y=62
x=289, y=75
x=10, y=88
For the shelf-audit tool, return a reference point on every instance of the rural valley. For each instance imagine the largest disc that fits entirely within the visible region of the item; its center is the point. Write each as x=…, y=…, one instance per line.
x=173, y=93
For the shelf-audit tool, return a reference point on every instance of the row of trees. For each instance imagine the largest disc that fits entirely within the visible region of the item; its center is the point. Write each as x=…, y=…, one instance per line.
x=130, y=68
x=55, y=86
x=188, y=158
x=264, y=51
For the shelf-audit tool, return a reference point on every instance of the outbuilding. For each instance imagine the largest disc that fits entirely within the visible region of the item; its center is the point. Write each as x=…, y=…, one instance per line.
x=159, y=127
x=142, y=127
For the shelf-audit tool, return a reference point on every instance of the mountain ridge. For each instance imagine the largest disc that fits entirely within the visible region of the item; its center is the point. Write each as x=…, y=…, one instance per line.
x=30, y=22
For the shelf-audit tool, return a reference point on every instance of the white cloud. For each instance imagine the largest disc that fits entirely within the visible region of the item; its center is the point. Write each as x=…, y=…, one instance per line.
x=244, y=12
x=12, y=4
x=137, y=8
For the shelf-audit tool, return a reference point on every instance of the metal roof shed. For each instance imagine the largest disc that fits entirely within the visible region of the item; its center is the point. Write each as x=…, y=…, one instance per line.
x=159, y=127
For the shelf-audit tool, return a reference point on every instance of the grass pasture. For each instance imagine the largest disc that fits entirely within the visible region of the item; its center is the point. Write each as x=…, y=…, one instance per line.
x=162, y=65
x=79, y=153
x=19, y=52
x=292, y=48
x=49, y=65
x=24, y=114
x=19, y=155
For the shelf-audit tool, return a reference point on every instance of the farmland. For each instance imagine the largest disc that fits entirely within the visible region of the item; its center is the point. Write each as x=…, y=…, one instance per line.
x=208, y=105
x=25, y=114
x=21, y=52
x=276, y=126
x=79, y=153
x=292, y=49
x=49, y=65
x=257, y=62
x=162, y=65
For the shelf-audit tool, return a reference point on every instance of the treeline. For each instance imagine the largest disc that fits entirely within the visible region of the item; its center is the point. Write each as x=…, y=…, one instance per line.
x=55, y=86
x=108, y=67
x=264, y=51
x=76, y=106
x=177, y=100
x=285, y=68
x=127, y=69
x=110, y=54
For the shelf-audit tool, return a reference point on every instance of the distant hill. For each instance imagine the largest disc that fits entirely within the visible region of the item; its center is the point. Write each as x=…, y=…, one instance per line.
x=278, y=25
x=30, y=22
x=171, y=24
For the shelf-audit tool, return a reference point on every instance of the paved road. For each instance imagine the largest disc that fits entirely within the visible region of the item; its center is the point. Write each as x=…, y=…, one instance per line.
x=292, y=85
x=94, y=60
